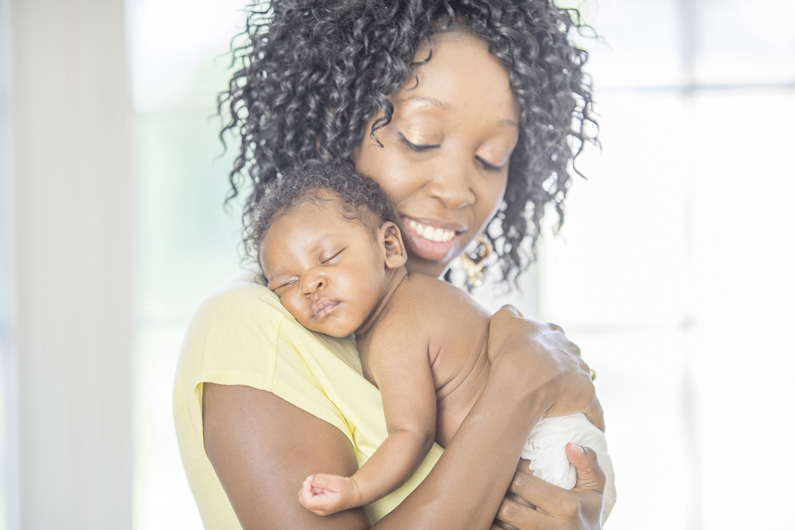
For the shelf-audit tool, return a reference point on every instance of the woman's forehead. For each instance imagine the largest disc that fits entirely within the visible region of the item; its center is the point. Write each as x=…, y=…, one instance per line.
x=460, y=73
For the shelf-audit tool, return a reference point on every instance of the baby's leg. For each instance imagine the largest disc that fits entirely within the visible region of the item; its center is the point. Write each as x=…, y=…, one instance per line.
x=328, y=494
x=546, y=449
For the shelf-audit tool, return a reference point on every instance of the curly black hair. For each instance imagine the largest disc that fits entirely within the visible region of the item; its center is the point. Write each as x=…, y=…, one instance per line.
x=358, y=199
x=314, y=72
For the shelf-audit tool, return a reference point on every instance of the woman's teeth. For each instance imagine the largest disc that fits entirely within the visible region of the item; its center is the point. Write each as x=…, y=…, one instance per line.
x=440, y=235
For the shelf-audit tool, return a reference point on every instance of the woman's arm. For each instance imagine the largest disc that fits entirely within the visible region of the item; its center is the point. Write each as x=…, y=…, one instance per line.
x=550, y=352
x=581, y=507
x=262, y=447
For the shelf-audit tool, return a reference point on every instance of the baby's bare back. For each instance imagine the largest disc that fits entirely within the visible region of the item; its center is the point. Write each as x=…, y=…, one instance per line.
x=453, y=330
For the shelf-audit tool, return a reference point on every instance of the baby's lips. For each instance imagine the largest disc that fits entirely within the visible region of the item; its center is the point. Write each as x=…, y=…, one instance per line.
x=321, y=304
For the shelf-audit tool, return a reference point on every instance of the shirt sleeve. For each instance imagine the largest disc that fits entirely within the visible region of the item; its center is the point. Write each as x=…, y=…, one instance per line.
x=242, y=335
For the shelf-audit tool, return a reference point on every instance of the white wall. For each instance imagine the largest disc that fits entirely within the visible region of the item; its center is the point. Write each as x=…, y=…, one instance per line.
x=72, y=213
x=9, y=419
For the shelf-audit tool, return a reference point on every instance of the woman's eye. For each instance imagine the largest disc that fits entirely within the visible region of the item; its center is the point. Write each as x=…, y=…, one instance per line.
x=488, y=166
x=417, y=147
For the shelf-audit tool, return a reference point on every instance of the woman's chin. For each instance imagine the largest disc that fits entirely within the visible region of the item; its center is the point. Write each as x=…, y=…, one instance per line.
x=418, y=265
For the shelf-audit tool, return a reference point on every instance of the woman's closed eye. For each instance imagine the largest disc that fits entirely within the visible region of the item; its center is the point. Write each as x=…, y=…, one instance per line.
x=420, y=148
x=417, y=147
x=488, y=166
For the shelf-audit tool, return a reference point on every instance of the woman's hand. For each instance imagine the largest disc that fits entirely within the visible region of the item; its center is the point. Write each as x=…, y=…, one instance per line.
x=557, y=508
x=543, y=357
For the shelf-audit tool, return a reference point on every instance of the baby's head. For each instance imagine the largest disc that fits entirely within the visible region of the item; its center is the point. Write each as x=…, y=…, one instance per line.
x=328, y=247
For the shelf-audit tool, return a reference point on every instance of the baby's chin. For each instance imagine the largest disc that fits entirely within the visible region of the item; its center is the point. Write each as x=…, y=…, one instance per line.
x=336, y=329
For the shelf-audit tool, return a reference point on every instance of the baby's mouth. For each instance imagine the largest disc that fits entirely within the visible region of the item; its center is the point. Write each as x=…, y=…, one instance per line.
x=323, y=307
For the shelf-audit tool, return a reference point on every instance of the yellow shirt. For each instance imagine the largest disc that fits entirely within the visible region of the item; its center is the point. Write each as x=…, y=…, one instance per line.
x=241, y=335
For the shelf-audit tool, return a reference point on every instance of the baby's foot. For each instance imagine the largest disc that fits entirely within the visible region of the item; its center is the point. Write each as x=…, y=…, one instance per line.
x=328, y=494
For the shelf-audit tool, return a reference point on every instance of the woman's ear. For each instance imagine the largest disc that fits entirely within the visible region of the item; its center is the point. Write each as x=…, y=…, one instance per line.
x=394, y=250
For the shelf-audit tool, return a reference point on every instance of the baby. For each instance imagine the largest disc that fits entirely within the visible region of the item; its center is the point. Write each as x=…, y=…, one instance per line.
x=330, y=249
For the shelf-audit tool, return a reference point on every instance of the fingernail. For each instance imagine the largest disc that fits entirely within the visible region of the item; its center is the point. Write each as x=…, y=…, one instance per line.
x=578, y=448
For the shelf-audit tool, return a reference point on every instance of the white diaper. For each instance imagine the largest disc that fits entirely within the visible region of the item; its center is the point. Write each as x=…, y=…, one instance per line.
x=546, y=449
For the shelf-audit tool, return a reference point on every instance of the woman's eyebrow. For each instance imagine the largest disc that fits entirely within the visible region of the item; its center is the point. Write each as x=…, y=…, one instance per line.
x=442, y=105
x=425, y=99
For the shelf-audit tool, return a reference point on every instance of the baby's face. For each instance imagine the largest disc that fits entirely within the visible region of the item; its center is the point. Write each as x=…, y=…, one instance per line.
x=328, y=271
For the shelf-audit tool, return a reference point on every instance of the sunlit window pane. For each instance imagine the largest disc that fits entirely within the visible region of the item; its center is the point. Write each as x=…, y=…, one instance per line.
x=186, y=243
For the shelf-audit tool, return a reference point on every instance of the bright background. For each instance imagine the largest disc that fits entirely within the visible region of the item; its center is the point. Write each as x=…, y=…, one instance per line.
x=673, y=271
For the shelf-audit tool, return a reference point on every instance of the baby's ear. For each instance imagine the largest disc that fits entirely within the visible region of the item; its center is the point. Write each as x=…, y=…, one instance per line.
x=394, y=250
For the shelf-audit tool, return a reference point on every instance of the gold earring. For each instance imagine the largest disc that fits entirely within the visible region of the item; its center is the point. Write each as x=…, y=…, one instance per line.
x=477, y=260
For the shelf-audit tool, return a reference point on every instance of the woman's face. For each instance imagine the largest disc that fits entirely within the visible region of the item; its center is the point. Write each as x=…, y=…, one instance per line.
x=444, y=160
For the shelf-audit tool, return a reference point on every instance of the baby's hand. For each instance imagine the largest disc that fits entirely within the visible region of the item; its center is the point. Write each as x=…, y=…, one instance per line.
x=328, y=494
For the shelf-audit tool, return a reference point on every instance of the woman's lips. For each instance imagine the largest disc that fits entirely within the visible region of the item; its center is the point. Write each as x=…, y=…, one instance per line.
x=429, y=239
x=323, y=307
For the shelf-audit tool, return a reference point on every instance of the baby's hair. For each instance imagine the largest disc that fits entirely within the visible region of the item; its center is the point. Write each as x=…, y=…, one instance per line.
x=358, y=198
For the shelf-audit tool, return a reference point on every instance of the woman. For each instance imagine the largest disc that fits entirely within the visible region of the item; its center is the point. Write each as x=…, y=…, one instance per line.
x=463, y=113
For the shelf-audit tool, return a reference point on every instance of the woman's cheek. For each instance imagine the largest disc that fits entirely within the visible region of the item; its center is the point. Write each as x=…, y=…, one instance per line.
x=394, y=176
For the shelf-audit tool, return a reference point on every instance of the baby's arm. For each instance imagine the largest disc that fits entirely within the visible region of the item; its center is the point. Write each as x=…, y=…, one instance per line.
x=400, y=368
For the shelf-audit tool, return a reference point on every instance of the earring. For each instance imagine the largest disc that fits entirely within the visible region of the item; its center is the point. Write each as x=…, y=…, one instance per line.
x=476, y=261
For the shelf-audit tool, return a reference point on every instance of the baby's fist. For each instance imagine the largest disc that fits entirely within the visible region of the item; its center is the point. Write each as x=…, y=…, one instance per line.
x=329, y=494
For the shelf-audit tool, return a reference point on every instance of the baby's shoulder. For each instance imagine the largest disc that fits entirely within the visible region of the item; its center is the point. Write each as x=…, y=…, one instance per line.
x=426, y=293
x=425, y=306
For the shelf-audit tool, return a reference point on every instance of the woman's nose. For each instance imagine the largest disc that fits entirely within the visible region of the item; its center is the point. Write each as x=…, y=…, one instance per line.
x=452, y=186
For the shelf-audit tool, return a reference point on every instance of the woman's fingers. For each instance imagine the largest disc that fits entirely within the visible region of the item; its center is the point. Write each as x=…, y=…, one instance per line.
x=522, y=517
x=589, y=473
x=579, y=508
x=512, y=309
x=547, y=497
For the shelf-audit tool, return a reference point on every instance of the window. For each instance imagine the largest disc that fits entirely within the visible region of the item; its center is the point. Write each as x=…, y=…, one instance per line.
x=185, y=243
x=673, y=270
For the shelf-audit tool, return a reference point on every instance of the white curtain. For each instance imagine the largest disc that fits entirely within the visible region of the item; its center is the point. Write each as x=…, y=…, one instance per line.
x=70, y=124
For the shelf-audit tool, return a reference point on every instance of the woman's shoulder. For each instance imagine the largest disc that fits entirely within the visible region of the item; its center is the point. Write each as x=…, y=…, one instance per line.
x=243, y=324
x=241, y=297
x=237, y=324
x=239, y=303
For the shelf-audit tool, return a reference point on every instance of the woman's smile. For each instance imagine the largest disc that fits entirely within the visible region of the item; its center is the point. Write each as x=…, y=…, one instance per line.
x=431, y=240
